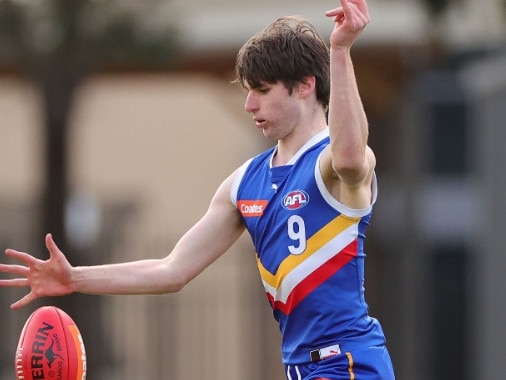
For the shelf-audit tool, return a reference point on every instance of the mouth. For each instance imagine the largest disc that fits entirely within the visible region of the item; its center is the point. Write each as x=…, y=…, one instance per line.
x=259, y=122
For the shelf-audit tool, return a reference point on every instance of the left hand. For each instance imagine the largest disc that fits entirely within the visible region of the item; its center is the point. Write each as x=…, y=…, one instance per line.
x=350, y=18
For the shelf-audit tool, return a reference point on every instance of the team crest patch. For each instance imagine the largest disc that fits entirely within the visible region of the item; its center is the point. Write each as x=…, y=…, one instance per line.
x=295, y=199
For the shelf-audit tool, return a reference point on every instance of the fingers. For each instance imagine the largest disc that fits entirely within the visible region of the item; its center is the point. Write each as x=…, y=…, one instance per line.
x=350, y=10
x=14, y=282
x=21, y=256
x=337, y=14
x=24, y=271
x=30, y=297
x=19, y=270
x=17, y=282
x=355, y=9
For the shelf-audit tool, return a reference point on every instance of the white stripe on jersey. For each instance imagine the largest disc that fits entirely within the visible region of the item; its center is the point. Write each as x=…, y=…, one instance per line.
x=313, y=262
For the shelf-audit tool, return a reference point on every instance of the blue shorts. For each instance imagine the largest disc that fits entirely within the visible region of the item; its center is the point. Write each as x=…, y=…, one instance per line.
x=371, y=363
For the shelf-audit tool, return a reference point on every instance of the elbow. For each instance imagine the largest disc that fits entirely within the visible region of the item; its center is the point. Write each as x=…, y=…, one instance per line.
x=353, y=164
x=175, y=284
x=168, y=288
x=170, y=280
x=349, y=167
x=348, y=157
x=179, y=284
x=351, y=171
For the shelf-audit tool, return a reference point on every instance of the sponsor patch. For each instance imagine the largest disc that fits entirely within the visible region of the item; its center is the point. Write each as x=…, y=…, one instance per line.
x=249, y=208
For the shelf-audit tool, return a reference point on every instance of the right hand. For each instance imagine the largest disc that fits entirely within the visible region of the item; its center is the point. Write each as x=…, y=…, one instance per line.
x=52, y=277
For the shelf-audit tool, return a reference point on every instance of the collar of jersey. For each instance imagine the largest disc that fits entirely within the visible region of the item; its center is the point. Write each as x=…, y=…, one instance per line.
x=312, y=141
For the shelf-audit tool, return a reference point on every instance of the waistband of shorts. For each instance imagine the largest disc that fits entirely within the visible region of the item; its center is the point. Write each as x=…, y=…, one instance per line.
x=327, y=352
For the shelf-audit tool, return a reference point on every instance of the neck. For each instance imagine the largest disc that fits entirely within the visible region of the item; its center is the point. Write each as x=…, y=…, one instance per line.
x=313, y=122
x=288, y=147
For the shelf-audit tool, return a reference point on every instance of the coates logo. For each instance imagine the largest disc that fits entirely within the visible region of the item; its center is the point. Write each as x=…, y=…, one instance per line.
x=295, y=199
x=250, y=209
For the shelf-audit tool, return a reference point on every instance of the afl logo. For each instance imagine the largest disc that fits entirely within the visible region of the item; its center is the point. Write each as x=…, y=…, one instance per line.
x=295, y=199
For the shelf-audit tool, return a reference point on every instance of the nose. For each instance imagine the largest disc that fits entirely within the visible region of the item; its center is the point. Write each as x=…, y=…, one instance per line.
x=251, y=103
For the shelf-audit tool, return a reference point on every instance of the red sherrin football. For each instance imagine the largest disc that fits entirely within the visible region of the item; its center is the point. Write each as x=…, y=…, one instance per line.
x=50, y=347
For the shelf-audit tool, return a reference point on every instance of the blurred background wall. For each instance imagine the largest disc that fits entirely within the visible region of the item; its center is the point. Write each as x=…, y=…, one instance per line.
x=119, y=121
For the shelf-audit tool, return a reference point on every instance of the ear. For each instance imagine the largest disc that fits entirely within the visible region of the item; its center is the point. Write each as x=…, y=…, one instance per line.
x=307, y=86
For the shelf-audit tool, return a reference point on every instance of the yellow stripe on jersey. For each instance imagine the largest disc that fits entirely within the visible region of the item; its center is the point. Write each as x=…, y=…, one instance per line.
x=317, y=241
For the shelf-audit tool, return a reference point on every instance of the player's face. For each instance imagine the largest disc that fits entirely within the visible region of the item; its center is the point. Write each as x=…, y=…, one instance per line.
x=274, y=109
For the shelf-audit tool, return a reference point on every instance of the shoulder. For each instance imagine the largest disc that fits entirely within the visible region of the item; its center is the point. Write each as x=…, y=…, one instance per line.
x=236, y=180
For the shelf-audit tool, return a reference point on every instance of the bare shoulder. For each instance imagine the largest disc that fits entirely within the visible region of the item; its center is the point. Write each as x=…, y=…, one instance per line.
x=222, y=205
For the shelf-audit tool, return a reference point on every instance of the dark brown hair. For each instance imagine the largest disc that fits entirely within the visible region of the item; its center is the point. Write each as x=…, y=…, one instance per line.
x=288, y=50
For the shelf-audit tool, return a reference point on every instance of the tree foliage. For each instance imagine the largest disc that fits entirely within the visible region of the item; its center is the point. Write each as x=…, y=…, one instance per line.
x=85, y=33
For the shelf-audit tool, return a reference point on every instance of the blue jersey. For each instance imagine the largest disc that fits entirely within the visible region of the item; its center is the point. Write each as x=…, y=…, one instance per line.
x=309, y=253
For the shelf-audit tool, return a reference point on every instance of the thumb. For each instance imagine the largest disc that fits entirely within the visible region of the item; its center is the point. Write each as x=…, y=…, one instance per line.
x=51, y=245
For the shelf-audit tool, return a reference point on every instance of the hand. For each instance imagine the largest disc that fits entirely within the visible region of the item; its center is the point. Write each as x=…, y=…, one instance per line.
x=52, y=277
x=351, y=18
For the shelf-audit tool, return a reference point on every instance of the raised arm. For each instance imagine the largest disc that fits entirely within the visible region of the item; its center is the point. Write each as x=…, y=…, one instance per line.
x=207, y=240
x=348, y=162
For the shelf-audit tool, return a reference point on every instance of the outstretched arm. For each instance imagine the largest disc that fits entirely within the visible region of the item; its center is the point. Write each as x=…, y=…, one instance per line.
x=349, y=162
x=208, y=239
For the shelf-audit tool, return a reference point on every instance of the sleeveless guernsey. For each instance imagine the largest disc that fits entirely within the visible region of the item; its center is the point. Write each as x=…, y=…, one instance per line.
x=310, y=253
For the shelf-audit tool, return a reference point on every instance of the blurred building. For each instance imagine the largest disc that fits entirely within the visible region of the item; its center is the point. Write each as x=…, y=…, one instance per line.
x=149, y=150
